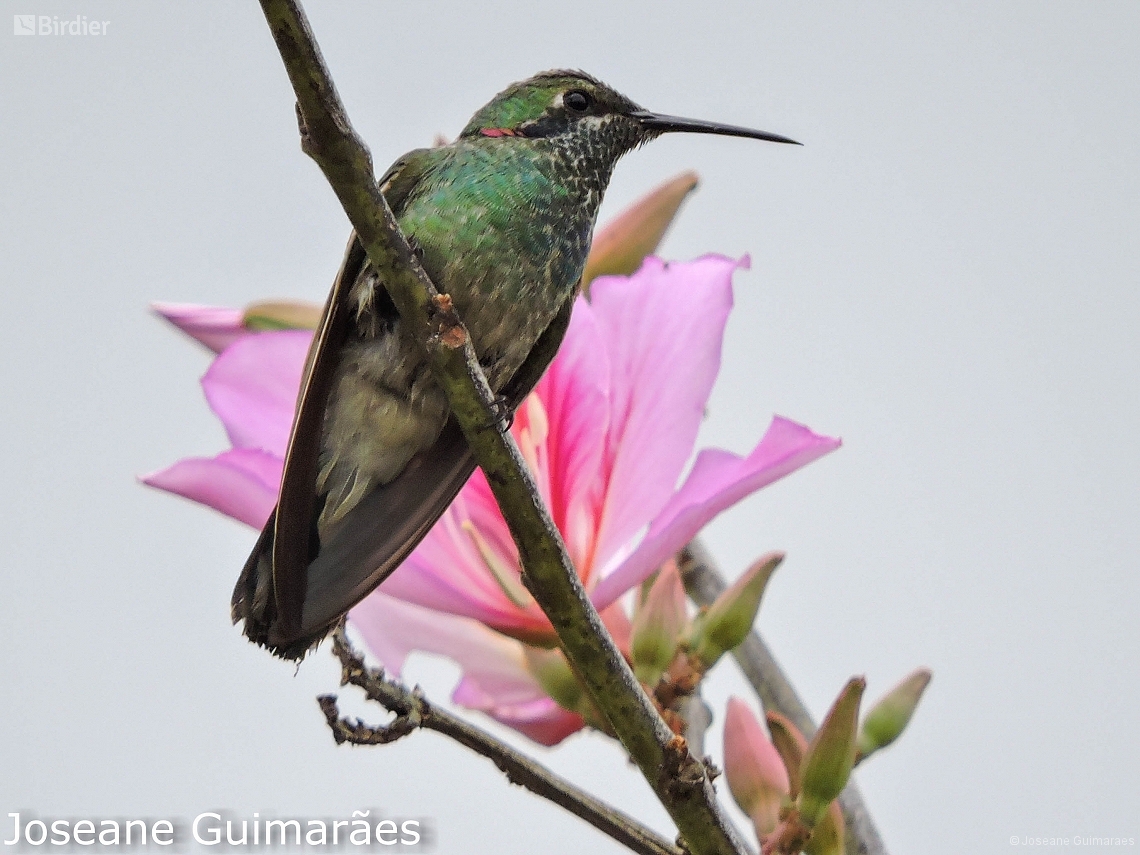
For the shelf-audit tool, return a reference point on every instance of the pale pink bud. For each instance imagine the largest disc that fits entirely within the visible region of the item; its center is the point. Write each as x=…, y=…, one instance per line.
x=755, y=772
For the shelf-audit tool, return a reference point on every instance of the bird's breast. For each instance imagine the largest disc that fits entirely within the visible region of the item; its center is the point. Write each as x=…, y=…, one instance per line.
x=506, y=235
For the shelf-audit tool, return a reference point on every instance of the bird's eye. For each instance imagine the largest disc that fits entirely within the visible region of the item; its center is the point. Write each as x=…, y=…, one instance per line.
x=576, y=102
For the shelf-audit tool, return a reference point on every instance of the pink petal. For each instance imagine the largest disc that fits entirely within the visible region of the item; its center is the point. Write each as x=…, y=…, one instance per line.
x=663, y=328
x=496, y=680
x=542, y=721
x=214, y=326
x=393, y=628
x=717, y=481
x=241, y=483
x=253, y=385
x=445, y=572
x=575, y=392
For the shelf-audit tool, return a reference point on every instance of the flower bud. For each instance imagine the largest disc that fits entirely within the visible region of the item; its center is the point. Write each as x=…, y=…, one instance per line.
x=755, y=772
x=621, y=246
x=889, y=717
x=658, y=625
x=827, y=836
x=282, y=315
x=791, y=745
x=555, y=676
x=729, y=619
x=831, y=754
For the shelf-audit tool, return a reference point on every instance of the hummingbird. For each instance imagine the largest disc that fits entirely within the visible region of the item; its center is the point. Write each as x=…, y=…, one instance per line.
x=501, y=220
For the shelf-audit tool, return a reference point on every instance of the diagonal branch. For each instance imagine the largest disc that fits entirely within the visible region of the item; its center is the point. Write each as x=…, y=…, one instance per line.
x=413, y=711
x=680, y=781
x=704, y=584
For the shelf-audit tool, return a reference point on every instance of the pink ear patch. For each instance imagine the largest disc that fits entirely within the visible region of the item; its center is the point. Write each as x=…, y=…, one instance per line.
x=498, y=132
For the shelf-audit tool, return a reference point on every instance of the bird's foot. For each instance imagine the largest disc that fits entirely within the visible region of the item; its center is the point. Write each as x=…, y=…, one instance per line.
x=502, y=414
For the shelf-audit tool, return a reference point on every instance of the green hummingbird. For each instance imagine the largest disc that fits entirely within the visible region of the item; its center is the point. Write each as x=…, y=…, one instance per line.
x=502, y=220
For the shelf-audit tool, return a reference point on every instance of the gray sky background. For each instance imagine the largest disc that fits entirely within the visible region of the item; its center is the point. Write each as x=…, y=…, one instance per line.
x=945, y=275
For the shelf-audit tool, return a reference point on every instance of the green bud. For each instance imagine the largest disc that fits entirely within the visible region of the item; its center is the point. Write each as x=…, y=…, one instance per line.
x=622, y=245
x=831, y=755
x=791, y=746
x=729, y=619
x=282, y=315
x=555, y=676
x=889, y=717
x=827, y=836
x=658, y=625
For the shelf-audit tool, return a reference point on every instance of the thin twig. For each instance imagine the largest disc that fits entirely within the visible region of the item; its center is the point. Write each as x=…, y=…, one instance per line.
x=704, y=584
x=679, y=779
x=413, y=711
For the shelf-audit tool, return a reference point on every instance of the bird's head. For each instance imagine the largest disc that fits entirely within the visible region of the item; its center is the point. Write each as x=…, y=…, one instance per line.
x=572, y=106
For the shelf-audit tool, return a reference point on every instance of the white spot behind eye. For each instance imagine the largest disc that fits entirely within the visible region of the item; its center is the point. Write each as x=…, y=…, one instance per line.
x=557, y=102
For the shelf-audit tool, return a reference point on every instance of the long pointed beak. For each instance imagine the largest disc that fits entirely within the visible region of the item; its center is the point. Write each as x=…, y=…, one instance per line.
x=666, y=124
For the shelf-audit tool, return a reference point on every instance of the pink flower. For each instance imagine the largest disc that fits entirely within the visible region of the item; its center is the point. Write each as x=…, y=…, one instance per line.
x=607, y=433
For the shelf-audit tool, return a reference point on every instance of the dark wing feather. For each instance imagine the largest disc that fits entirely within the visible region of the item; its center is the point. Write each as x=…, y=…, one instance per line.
x=269, y=595
x=381, y=531
x=294, y=540
x=383, y=528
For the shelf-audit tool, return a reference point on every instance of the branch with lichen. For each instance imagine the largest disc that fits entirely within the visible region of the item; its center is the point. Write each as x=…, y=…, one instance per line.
x=680, y=780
